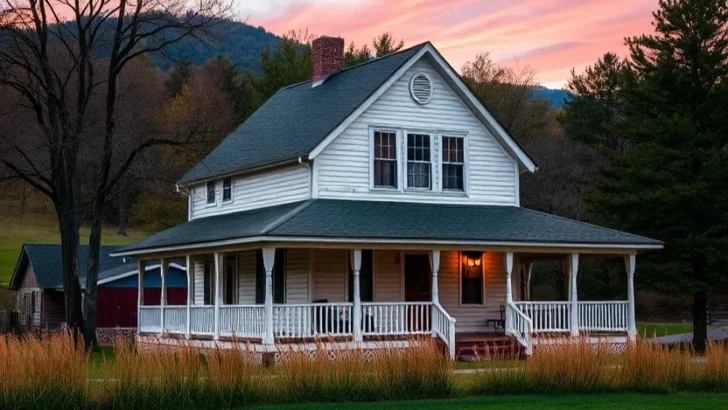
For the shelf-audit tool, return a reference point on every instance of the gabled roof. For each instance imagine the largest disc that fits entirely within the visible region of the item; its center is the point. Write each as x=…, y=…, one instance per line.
x=46, y=262
x=300, y=120
x=398, y=222
x=297, y=118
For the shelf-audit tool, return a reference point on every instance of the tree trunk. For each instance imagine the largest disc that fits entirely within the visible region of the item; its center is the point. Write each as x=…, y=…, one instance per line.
x=92, y=274
x=700, y=321
x=69, y=260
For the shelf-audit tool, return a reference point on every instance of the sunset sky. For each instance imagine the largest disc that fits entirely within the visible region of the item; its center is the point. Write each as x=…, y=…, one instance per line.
x=551, y=36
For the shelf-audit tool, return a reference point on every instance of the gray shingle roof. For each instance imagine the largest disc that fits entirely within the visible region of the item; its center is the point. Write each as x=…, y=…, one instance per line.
x=321, y=218
x=297, y=118
x=46, y=262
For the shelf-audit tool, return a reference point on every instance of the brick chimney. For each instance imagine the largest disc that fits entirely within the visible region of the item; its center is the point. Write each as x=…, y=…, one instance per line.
x=328, y=57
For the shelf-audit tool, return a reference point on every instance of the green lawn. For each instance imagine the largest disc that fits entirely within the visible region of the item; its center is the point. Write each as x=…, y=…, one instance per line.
x=592, y=401
x=37, y=224
x=663, y=329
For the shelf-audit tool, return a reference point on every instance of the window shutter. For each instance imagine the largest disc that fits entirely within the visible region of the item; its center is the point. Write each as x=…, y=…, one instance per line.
x=366, y=288
x=279, y=277
x=259, y=278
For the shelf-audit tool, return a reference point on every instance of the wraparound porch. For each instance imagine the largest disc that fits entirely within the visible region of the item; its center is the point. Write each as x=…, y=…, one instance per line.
x=362, y=296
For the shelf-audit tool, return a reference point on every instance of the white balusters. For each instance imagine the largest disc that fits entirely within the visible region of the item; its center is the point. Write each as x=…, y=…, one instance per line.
x=175, y=319
x=443, y=326
x=519, y=325
x=203, y=320
x=396, y=318
x=150, y=319
x=313, y=320
x=608, y=316
x=554, y=317
x=244, y=321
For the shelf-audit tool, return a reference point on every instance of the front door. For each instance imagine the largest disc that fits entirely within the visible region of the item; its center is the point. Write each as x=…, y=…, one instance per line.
x=417, y=278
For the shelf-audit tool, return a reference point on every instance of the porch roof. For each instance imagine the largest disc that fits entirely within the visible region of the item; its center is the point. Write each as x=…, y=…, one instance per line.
x=325, y=219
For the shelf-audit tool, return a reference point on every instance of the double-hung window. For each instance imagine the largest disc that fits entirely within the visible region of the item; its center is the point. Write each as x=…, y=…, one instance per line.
x=419, y=161
x=385, y=159
x=227, y=190
x=210, y=192
x=453, y=163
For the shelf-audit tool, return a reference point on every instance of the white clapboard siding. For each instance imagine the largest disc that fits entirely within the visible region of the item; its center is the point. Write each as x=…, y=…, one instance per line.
x=387, y=276
x=342, y=170
x=199, y=281
x=246, y=277
x=297, y=271
x=330, y=275
x=266, y=189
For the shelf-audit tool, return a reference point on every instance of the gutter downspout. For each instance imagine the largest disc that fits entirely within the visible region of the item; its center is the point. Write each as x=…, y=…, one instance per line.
x=307, y=163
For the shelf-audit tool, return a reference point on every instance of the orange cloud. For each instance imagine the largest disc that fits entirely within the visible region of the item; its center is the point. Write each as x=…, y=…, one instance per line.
x=551, y=36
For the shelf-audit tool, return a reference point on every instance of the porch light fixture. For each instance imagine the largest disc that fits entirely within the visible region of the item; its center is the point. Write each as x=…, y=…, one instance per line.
x=471, y=263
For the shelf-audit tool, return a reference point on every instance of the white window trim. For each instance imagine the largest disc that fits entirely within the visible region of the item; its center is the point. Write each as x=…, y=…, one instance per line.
x=405, y=160
x=466, y=172
x=232, y=190
x=460, y=282
x=213, y=203
x=398, y=139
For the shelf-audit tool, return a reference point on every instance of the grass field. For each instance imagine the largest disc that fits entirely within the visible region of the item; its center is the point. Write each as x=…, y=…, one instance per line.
x=577, y=401
x=37, y=224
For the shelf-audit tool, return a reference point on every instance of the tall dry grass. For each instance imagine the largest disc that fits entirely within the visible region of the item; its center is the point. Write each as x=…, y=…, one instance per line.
x=223, y=378
x=577, y=366
x=35, y=373
x=53, y=373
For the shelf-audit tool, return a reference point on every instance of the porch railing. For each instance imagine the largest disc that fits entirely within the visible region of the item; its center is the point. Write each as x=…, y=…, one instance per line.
x=555, y=317
x=547, y=317
x=246, y=321
x=605, y=316
x=175, y=319
x=519, y=325
x=396, y=318
x=150, y=320
x=443, y=326
x=313, y=320
x=202, y=320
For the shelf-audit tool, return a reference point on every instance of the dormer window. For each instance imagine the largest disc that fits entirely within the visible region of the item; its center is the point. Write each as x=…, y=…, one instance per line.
x=419, y=161
x=453, y=163
x=227, y=190
x=210, y=192
x=385, y=159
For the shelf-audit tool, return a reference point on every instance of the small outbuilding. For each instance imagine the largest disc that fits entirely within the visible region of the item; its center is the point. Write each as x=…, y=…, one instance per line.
x=38, y=280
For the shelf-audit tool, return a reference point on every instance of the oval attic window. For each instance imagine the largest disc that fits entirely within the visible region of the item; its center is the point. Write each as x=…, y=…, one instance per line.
x=421, y=88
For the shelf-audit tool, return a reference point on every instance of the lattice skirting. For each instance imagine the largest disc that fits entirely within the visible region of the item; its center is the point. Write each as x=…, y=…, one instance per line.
x=106, y=335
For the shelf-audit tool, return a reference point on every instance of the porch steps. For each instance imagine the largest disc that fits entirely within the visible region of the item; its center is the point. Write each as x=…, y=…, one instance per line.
x=474, y=347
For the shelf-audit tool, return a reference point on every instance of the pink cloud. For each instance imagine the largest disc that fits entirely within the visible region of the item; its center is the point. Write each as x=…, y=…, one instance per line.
x=550, y=36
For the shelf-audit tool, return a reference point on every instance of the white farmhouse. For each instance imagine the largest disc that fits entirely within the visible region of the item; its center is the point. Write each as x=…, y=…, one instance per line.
x=374, y=203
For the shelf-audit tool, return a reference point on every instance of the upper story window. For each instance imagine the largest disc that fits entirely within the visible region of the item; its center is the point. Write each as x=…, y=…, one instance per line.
x=453, y=163
x=227, y=189
x=419, y=161
x=210, y=192
x=385, y=159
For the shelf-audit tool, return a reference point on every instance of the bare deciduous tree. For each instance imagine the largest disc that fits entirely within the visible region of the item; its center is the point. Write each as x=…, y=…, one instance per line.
x=58, y=57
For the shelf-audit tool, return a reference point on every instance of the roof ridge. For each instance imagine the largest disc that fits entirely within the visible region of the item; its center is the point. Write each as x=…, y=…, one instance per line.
x=287, y=216
x=373, y=60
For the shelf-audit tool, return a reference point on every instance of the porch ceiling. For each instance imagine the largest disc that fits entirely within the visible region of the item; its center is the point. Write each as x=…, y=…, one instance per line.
x=368, y=221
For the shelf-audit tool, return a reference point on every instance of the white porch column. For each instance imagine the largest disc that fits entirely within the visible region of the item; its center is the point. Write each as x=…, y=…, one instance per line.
x=573, y=272
x=356, y=268
x=190, y=292
x=509, y=287
x=163, y=267
x=141, y=266
x=435, y=265
x=218, y=293
x=629, y=262
x=269, y=257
